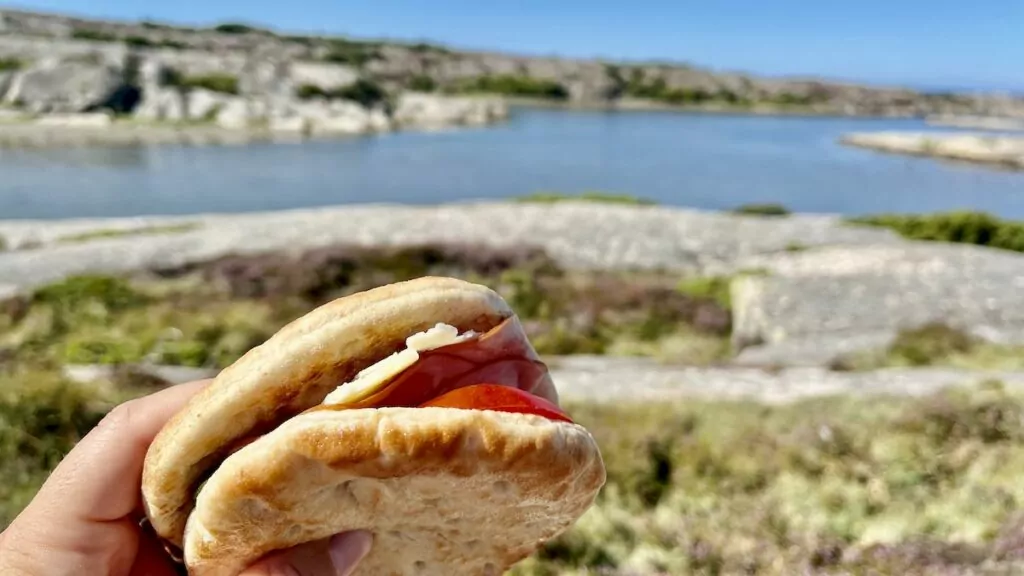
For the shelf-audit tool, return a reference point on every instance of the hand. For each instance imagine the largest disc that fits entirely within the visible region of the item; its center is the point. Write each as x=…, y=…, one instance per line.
x=85, y=518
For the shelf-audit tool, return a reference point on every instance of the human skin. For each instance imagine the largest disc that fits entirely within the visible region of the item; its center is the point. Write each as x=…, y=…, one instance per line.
x=86, y=518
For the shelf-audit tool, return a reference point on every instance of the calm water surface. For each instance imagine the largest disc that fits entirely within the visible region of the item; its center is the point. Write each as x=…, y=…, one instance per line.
x=687, y=160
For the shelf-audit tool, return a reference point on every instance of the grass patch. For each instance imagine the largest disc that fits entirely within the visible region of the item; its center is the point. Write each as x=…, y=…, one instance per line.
x=78, y=293
x=511, y=85
x=825, y=486
x=422, y=83
x=41, y=419
x=173, y=44
x=834, y=485
x=236, y=28
x=209, y=314
x=106, y=320
x=863, y=486
x=936, y=344
x=425, y=48
x=119, y=233
x=961, y=227
x=635, y=83
x=790, y=99
x=762, y=210
x=352, y=53
x=139, y=42
x=93, y=36
x=365, y=92
x=590, y=196
x=223, y=83
x=11, y=64
x=717, y=288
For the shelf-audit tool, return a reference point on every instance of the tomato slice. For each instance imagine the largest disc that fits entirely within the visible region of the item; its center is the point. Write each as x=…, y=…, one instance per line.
x=497, y=398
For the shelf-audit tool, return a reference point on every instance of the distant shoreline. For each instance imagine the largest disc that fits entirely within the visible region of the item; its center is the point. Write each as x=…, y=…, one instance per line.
x=28, y=133
x=147, y=68
x=766, y=111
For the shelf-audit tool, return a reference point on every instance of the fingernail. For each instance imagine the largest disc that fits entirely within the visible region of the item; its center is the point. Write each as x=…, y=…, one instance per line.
x=348, y=549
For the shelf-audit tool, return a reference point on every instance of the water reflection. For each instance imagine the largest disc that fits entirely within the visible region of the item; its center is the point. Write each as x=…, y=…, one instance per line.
x=682, y=159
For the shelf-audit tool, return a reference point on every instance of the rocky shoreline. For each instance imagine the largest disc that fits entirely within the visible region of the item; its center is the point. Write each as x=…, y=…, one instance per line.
x=805, y=290
x=978, y=148
x=421, y=112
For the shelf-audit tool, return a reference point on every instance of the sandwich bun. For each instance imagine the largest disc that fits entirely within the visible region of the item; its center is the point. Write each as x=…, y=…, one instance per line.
x=450, y=476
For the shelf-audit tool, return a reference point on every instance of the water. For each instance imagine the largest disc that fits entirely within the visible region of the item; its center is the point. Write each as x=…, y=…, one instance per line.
x=680, y=159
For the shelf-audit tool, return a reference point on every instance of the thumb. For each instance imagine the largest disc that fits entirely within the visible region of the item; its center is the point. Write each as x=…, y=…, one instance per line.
x=335, y=556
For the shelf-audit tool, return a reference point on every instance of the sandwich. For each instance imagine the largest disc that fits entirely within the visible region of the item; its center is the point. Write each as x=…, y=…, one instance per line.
x=418, y=411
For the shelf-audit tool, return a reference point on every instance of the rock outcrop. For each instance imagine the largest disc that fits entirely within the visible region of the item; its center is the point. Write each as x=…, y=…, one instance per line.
x=814, y=306
x=429, y=111
x=264, y=98
x=979, y=148
x=68, y=86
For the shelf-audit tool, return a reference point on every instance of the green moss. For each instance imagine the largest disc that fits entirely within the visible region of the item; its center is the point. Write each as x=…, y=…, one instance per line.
x=210, y=314
x=717, y=288
x=79, y=292
x=589, y=196
x=109, y=321
x=936, y=344
x=213, y=313
x=561, y=340
x=960, y=227
x=100, y=349
x=929, y=343
x=119, y=232
x=11, y=64
x=762, y=210
x=676, y=343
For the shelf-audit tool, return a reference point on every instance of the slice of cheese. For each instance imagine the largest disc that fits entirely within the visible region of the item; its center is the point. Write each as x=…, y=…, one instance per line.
x=376, y=377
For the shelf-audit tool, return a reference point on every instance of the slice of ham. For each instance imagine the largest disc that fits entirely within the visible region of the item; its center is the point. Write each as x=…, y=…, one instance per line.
x=502, y=356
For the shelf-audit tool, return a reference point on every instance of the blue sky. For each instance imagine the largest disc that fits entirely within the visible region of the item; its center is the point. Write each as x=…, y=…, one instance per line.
x=938, y=43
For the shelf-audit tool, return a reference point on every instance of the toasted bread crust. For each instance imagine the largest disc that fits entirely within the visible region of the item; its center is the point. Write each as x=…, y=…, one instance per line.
x=293, y=371
x=444, y=491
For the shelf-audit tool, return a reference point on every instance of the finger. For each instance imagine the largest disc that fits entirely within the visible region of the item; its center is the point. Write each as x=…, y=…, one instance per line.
x=99, y=480
x=336, y=556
